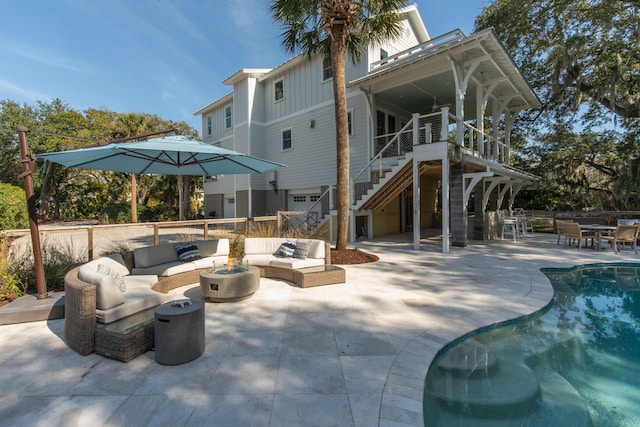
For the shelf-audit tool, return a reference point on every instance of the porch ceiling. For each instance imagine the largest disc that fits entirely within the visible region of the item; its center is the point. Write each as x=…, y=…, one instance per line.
x=424, y=82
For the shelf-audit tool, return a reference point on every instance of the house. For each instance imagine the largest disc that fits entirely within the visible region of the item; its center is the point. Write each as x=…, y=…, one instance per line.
x=429, y=124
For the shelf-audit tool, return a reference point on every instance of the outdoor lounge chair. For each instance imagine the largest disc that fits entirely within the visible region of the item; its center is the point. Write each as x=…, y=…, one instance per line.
x=573, y=232
x=624, y=234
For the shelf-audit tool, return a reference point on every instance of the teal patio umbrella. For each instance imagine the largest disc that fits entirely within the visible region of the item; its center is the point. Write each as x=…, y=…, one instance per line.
x=169, y=155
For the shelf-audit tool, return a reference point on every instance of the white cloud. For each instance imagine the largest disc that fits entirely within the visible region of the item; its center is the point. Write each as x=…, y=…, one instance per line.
x=15, y=92
x=43, y=56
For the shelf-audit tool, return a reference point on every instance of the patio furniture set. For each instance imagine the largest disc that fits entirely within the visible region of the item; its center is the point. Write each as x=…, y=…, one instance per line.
x=516, y=224
x=626, y=231
x=120, y=309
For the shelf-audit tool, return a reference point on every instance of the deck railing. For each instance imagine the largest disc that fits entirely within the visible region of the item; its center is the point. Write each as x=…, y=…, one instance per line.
x=435, y=127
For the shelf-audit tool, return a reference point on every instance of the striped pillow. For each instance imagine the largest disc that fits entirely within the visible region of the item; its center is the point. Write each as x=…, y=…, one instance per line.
x=187, y=252
x=286, y=249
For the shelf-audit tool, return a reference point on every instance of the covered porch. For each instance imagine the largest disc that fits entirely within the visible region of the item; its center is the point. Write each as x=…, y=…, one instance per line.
x=465, y=93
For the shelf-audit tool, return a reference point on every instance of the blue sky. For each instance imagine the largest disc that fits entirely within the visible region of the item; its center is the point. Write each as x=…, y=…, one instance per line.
x=164, y=57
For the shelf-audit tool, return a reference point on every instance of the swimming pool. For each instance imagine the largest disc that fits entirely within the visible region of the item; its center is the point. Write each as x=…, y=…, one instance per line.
x=576, y=362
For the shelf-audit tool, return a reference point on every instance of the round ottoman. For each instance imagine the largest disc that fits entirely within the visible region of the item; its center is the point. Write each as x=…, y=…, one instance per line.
x=179, y=331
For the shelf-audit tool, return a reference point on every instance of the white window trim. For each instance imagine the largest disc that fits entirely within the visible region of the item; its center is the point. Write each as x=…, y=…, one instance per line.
x=282, y=139
x=228, y=120
x=209, y=125
x=322, y=68
x=275, y=92
x=353, y=128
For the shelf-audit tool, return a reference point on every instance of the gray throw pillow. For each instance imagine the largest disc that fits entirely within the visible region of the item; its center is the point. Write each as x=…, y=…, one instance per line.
x=302, y=249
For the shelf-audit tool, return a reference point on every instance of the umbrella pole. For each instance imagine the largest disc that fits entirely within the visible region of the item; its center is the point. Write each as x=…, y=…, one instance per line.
x=134, y=198
x=28, y=166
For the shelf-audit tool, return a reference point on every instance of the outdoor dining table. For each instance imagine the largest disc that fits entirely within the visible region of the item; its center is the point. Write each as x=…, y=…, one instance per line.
x=598, y=229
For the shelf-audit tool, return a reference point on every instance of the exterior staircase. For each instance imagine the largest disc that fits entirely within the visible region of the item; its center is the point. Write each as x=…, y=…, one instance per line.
x=474, y=387
x=391, y=183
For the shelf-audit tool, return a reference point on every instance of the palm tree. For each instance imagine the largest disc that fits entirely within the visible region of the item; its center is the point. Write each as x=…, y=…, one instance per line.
x=335, y=28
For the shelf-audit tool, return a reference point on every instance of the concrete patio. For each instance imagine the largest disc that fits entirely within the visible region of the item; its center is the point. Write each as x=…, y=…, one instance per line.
x=353, y=354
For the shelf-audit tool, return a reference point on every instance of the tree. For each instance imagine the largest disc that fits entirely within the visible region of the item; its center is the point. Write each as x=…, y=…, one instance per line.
x=574, y=52
x=75, y=193
x=583, y=60
x=336, y=28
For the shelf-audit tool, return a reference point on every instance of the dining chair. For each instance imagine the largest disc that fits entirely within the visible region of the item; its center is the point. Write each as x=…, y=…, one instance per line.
x=573, y=232
x=624, y=234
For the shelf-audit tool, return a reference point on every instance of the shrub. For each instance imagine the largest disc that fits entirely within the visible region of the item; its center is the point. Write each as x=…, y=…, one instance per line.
x=58, y=257
x=13, y=208
x=10, y=285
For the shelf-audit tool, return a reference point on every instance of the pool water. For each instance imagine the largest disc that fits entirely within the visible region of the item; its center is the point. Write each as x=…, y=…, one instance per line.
x=575, y=363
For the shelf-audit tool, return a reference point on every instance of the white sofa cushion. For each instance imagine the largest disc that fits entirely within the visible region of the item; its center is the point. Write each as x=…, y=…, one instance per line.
x=210, y=248
x=165, y=269
x=262, y=245
x=139, y=297
x=107, y=293
x=141, y=279
x=208, y=262
x=316, y=250
x=150, y=256
x=259, y=259
x=295, y=263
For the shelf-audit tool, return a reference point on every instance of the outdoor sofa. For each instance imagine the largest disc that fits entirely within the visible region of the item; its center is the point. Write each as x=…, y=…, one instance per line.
x=279, y=258
x=107, y=290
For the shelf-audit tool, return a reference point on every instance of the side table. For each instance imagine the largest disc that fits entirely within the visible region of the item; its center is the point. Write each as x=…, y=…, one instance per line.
x=179, y=331
x=126, y=339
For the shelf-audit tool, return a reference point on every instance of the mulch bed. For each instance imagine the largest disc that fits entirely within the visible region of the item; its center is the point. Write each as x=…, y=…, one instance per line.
x=351, y=256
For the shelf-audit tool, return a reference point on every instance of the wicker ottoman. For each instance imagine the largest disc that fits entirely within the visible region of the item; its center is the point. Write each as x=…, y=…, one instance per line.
x=126, y=339
x=327, y=274
x=179, y=331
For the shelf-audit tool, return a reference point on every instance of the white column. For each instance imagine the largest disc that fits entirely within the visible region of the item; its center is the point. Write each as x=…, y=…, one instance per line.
x=460, y=93
x=444, y=131
x=495, y=112
x=480, y=105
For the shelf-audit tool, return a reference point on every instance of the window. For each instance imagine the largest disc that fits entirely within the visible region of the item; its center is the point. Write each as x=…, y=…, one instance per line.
x=279, y=90
x=227, y=117
x=209, y=125
x=350, y=121
x=299, y=199
x=383, y=54
x=327, y=71
x=314, y=198
x=286, y=139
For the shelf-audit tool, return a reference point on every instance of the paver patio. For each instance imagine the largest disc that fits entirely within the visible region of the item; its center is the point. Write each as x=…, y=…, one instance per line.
x=340, y=355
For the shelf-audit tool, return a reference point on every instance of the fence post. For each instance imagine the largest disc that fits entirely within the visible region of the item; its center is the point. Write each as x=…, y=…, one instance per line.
x=156, y=234
x=206, y=230
x=90, y=242
x=279, y=224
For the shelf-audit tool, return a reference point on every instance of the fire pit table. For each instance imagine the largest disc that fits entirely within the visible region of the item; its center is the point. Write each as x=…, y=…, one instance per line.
x=228, y=285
